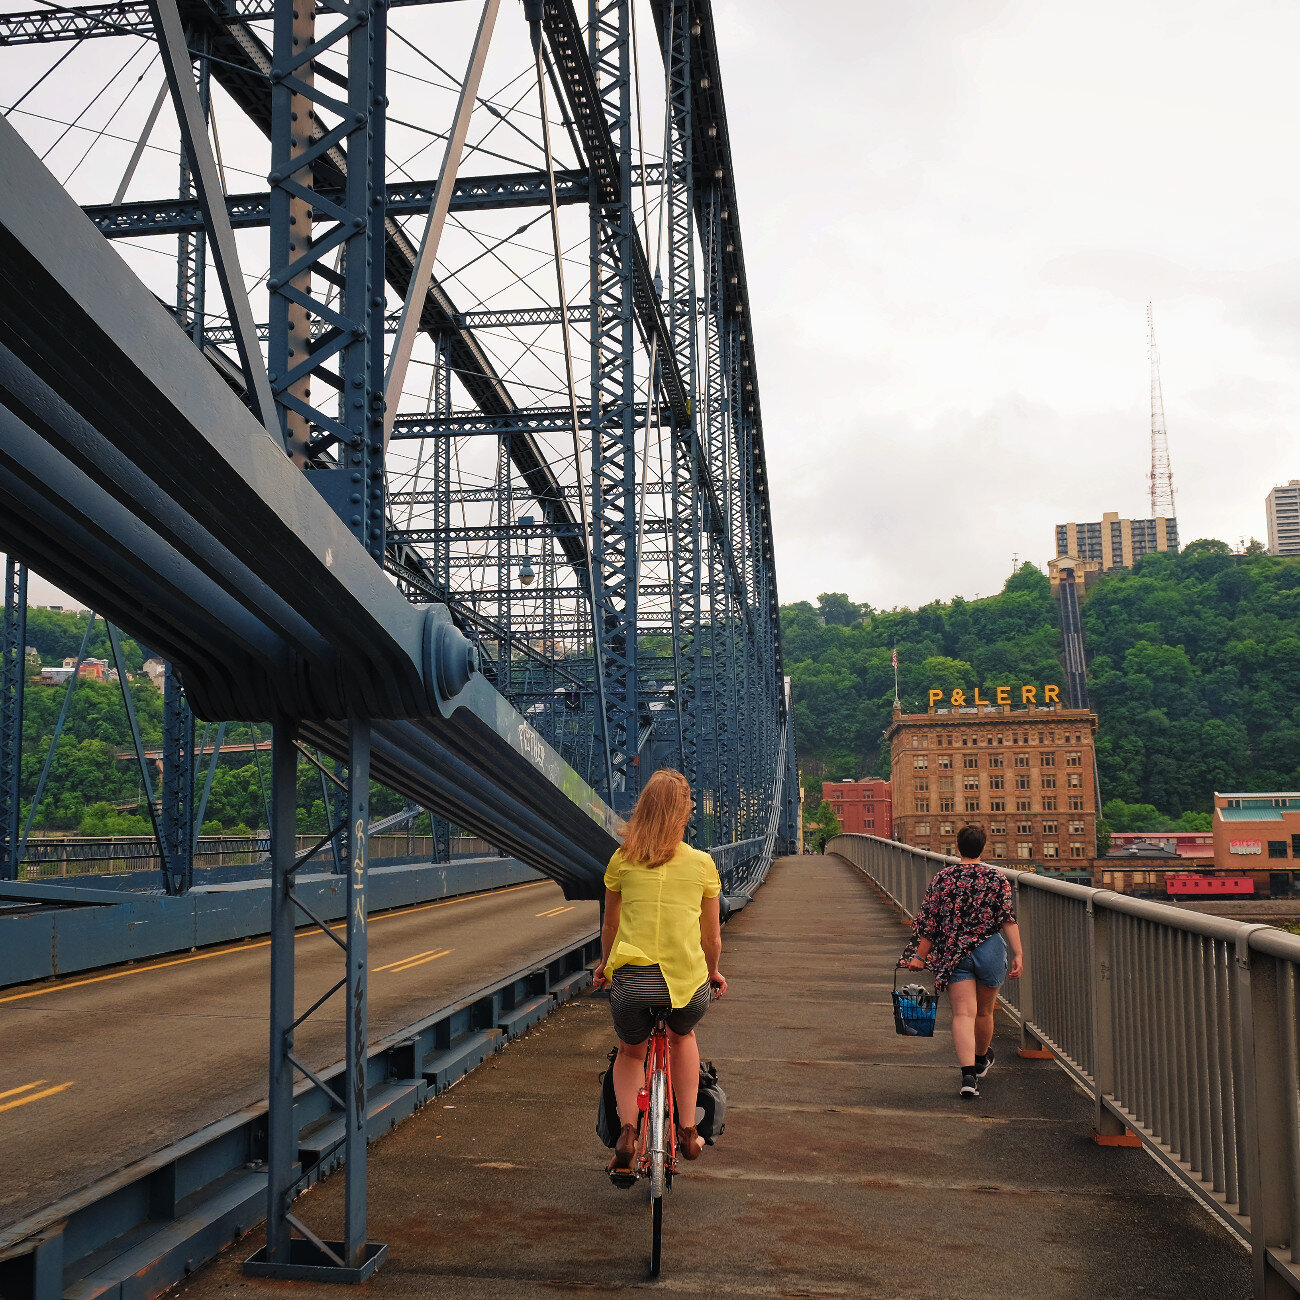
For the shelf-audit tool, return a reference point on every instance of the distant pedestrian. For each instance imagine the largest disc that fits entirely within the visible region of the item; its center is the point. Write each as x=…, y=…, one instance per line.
x=966, y=932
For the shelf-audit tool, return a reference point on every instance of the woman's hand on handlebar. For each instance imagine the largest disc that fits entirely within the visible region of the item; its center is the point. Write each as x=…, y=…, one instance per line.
x=915, y=963
x=719, y=982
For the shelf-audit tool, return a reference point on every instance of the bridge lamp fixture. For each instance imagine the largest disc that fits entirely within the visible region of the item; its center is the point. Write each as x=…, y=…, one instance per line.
x=527, y=574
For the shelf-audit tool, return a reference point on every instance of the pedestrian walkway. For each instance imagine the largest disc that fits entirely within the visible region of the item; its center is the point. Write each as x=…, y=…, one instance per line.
x=849, y=1165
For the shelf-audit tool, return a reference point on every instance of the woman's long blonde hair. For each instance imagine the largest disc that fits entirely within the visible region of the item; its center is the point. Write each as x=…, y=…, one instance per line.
x=659, y=819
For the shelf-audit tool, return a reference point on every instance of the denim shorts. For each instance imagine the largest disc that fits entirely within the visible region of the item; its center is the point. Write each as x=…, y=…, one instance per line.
x=987, y=963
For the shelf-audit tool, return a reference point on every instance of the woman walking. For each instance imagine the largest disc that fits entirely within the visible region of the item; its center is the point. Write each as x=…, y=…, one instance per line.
x=963, y=929
x=660, y=948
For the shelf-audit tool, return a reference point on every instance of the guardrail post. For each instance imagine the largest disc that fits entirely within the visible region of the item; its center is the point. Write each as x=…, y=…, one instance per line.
x=1107, y=1129
x=1265, y=1084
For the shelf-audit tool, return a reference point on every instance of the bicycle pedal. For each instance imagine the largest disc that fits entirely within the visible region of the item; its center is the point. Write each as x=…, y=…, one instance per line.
x=622, y=1179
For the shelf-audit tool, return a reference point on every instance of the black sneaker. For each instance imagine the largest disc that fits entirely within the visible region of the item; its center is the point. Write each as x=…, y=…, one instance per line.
x=983, y=1064
x=970, y=1088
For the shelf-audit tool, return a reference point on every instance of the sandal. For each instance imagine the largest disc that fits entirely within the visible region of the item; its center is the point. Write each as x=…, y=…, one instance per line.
x=689, y=1142
x=620, y=1166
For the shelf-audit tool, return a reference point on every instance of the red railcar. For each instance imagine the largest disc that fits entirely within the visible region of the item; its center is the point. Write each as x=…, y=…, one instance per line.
x=1188, y=886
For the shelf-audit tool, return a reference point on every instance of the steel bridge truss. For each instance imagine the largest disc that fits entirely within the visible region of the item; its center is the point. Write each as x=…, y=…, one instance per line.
x=577, y=485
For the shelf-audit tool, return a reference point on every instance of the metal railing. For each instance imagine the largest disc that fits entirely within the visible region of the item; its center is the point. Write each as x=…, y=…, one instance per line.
x=69, y=855
x=1182, y=1026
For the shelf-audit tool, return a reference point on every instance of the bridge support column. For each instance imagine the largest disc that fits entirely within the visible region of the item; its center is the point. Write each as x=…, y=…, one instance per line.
x=307, y=1256
x=13, y=666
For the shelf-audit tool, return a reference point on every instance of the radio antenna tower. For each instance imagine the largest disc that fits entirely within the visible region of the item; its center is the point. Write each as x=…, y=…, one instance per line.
x=1162, y=474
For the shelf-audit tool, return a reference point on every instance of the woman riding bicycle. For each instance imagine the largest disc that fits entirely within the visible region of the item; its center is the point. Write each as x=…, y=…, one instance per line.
x=660, y=947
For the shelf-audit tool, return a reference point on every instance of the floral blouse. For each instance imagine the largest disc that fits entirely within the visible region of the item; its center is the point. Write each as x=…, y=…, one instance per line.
x=963, y=906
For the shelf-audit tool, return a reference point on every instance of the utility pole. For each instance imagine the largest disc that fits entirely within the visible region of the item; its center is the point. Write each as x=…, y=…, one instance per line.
x=1161, y=479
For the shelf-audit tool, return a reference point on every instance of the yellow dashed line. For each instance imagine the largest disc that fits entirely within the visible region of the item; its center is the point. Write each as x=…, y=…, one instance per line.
x=14, y=1091
x=34, y=1096
x=420, y=961
x=556, y=911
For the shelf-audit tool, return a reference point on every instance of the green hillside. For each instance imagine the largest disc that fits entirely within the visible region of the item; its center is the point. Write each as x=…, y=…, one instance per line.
x=1194, y=672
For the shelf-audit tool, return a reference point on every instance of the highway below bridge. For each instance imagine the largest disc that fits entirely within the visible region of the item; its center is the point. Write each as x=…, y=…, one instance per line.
x=106, y=1068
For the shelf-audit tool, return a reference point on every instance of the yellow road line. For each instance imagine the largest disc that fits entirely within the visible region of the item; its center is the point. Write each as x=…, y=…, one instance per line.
x=247, y=947
x=556, y=911
x=13, y=1091
x=35, y=1096
x=420, y=961
x=403, y=960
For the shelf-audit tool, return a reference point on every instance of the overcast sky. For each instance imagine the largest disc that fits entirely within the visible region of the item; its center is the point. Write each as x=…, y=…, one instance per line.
x=954, y=214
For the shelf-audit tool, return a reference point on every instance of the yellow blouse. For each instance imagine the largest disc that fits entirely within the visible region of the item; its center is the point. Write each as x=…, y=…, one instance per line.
x=659, y=922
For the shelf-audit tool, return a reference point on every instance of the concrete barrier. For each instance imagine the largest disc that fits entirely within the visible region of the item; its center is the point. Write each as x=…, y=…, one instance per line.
x=72, y=928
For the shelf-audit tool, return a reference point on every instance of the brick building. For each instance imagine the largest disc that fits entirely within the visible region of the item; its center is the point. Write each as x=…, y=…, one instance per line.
x=1026, y=775
x=1259, y=833
x=862, y=807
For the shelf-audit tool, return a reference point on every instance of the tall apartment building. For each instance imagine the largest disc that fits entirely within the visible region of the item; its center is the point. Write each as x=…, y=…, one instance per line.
x=1282, y=506
x=1024, y=774
x=1116, y=543
x=861, y=807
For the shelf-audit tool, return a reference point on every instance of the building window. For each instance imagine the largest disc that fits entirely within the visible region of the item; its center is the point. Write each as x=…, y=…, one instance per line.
x=921, y=761
x=916, y=741
x=1047, y=781
x=1295, y=845
x=970, y=783
x=1024, y=850
x=1076, y=828
x=1024, y=828
x=1049, y=803
x=946, y=805
x=945, y=828
x=997, y=783
x=1049, y=828
x=1076, y=850
x=997, y=828
x=945, y=783
x=923, y=828
x=1022, y=805
x=997, y=805
x=995, y=760
x=1022, y=780
x=1076, y=803
x=945, y=760
x=999, y=849
x=971, y=760
x=1022, y=760
x=1074, y=760
x=972, y=805
x=920, y=783
x=1277, y=848
x=1075, y=780
x=921, y=806
x=1048, y=760
x=1049, y=850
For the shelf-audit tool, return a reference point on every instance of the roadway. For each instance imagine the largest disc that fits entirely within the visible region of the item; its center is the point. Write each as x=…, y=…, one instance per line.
x=103, y=1069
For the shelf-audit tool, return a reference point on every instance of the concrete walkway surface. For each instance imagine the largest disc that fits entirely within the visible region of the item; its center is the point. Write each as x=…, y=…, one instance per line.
x=849, y=1165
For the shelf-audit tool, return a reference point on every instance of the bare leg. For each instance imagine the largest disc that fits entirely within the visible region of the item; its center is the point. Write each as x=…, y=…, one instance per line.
x=685, y=1053
x=629, y=1075
x=962, y=997
x=986, y=1001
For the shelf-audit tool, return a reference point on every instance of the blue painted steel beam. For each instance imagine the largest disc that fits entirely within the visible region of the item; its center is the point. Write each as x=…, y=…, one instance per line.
x=144, y=217
x=136, y=481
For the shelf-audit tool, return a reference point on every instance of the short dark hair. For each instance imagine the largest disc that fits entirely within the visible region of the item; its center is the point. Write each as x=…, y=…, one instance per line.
x=970, y=841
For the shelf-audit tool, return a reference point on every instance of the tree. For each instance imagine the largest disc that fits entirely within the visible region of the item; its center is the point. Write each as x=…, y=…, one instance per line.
x=824, y=825
x=838, y=610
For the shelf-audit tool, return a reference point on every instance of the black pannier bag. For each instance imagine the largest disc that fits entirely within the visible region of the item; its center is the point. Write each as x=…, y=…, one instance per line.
x=710, y=1105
